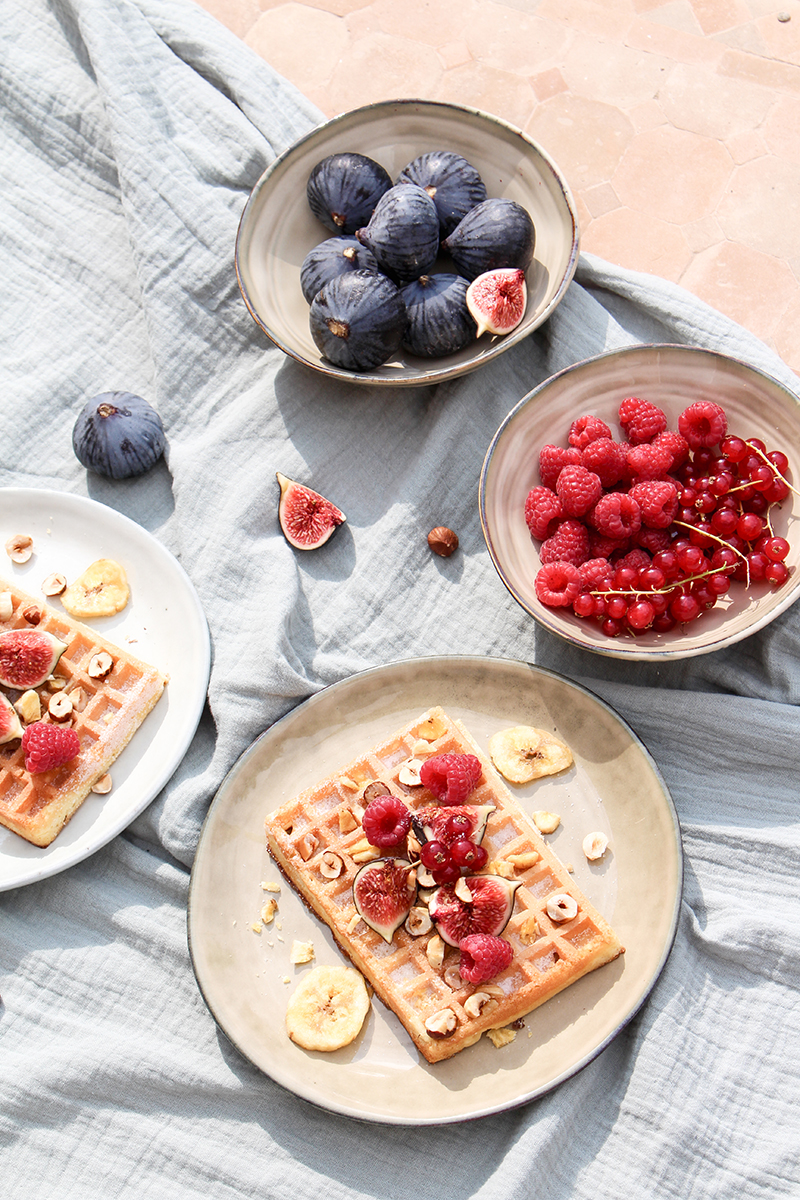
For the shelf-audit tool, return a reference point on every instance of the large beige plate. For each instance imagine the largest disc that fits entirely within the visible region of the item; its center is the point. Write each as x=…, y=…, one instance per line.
x=246, y=978
x=277, y=228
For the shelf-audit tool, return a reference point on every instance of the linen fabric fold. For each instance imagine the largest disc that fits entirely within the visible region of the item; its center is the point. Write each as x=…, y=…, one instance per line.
x=132, y=133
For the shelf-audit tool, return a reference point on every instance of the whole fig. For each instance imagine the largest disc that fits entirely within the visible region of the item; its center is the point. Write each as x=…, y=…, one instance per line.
x=496, y=233
x=118, y=434
x=438, y=319
x=335, y=256
x=357, y=320
x=403, y=232
x=343, y=189
x=452, y=183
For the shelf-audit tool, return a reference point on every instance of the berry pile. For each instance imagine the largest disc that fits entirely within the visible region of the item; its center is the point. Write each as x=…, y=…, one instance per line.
x=650, y=531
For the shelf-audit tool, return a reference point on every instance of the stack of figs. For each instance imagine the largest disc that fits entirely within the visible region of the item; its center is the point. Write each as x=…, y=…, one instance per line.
x=372, y=287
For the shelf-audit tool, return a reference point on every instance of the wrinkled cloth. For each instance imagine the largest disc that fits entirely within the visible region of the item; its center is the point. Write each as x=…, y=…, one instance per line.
x=132, y=132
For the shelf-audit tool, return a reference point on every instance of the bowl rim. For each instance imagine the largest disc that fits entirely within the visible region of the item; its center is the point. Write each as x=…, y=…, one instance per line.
x=434, y=376
x=630, y=652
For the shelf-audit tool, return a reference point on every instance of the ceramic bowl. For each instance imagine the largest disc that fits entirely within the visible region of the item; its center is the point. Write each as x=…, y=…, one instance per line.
x=277, y=228
x=672, y=377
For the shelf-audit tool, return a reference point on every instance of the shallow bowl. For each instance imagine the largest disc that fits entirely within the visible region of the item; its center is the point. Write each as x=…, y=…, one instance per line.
x=277, y=228
x=672, y=377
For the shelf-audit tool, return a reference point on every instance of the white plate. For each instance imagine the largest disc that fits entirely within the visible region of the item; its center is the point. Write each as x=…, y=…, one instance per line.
x=246, y=977
x=163, y=624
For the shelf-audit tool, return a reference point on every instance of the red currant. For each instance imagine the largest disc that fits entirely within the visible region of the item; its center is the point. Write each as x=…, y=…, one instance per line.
x=457, y=825
x=685, y=608
x=465, y=853
x=776, y=548
x=434, y=855
x=777, y=573
x=449, y=873
x=641, y=614
x=733, y=448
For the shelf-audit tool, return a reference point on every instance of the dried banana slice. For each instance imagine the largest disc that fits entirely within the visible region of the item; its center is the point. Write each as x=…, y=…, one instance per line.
x=523, y=753
x=100, y=591
x=328, y=1008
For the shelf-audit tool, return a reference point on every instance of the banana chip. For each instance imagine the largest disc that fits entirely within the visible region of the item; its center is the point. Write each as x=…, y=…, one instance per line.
x=101, y=591
x=523, y=753
x=328, y=1008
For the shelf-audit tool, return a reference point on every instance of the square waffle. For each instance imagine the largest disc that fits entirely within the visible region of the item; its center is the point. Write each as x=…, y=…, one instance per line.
x=406, y=974
x=107, y=712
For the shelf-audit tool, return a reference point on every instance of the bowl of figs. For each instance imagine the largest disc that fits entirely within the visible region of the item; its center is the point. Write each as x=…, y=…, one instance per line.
x=645, y=504
x=406, y=243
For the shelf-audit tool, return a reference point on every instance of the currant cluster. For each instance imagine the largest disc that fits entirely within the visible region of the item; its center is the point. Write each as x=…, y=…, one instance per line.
x=651, y=532
x=445, y=857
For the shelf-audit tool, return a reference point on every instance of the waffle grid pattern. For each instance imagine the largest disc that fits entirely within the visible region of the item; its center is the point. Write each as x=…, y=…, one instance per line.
x=548, y=956
x=106, y=714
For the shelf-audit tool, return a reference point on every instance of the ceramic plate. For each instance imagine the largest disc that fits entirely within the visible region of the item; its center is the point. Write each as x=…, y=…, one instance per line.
x=163, y=624
x=246, y=977
x=277, y=228
x=671, y=377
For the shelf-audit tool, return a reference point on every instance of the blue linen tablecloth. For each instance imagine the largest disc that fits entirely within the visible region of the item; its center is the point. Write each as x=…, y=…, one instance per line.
x=132, y=132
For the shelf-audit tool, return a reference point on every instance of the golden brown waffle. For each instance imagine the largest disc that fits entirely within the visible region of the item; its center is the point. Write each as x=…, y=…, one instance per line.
x=548, y=955
x=107, y=712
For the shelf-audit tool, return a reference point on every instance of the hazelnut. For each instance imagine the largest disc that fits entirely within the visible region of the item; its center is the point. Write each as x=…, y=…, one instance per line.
x=29, y=706
x=19, y=548
x=331, y=865
x=409, y=773
x=474, y=1004
x=595, y=846
x=375, y=789
x=60, y=706
x=562, y=907
x=103, y=785
x=268, y=910
x=443, y=541
x=434, y=951
x=418, y=921
x=306, y=845
x=452, y=978
x=546, y=822
x=54, y=585
x=6, y=606
x=442, y=1023
x=32, y=614
x=100, y=664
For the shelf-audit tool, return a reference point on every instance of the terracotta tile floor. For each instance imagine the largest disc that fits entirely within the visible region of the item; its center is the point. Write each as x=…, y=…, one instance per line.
x=676, y=124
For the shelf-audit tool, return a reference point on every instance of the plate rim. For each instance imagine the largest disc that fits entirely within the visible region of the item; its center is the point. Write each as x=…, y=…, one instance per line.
x=37, y=870
x=323, y=696
x=370, y=378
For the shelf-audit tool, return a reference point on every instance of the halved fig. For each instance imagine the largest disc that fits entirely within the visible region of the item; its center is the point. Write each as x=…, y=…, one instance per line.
x=384, y=891
x=448, y=824
x=307, y=519
x=497, y=299
x=10, y=725
x=488, y=910
x=27, y=657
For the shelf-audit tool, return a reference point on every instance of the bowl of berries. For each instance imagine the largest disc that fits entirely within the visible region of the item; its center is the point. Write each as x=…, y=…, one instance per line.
x=641, y=504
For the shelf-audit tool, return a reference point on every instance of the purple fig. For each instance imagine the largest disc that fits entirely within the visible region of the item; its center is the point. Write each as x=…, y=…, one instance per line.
x=344, y=188
x=490, y=903
x=497, y=300
x=496, y=233
x=27, y=657
x=383, y=893
x=306, y=518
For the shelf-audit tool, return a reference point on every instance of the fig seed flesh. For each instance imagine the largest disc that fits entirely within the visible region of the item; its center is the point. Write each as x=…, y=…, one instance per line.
x=306, y=518
x=382, y=895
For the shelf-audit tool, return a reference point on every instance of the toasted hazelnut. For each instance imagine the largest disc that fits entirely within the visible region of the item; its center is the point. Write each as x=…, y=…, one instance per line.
x=19, y=548
x=54, y=584
x=523, y=861
x=306, y=845
x=267, y=886
x=562, y=907
x=501, y=1037
x=462, y=890
x=302, y=952
x=418, y=921
x=424, y=877
x=60, y=706
x=442, y=1023
x=352, y=924
x=100, y=664
x=443, y=541
x=373, y=790
x=78, y=698
x=434, y=952
x=546, y=822
x=29, y=706
x=529, y=930
x=475, y=1004
x=502, y=868
x=6, y=606
x=452, y=978
x=103, y=785
x=347, y=783
x=330, y=865
x=32, y=614
x=409, y=773
x=431, y=728
x=595, y=846
x=347, y=822
x=268, y=910
x=55, y=683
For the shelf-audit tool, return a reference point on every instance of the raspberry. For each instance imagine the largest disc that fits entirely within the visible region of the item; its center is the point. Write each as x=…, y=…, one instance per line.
x=648, y=461
x=703, y=424
x=557, y=584
x=569, y=543
x=542, y=507
x=577, y=489
x=653, y=540
x=551, y=461
x=595, y=572
x=386, y=821
x=587, y=429
x=637, y=559
x=608, y=460
x=616, y=515
x=483, y=956
x=47, y=746
x=658, y=502
x=641, y=420
x=451, y=777
x=603, y=547
x=676, y=444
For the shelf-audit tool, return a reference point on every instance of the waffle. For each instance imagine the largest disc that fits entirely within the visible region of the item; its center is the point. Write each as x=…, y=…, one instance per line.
x=107, y=712
x=548, y=955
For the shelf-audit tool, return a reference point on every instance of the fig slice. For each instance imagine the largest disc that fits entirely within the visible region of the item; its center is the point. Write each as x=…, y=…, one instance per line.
x=10, y=725
x=384, y=891
x=497, y=300
x=487, y=912
x=307, y=519
x=27, y=657
x=433, y=820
